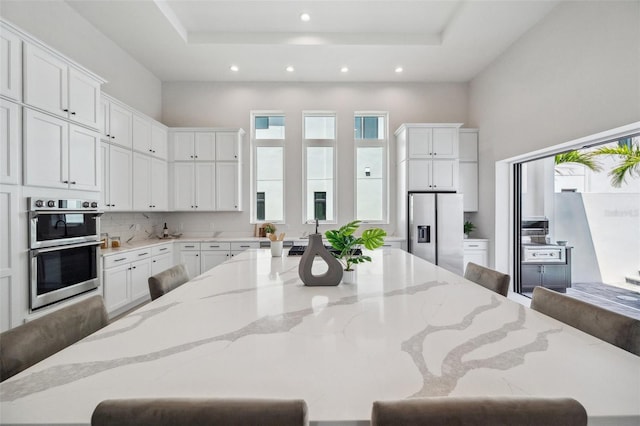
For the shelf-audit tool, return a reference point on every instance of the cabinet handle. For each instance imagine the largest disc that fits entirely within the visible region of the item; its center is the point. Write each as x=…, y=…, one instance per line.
x=435, y=153
x=191, y=156
x=197, y=255
x=73, y=182
x=473, y=245
x=134, y=267
x=154, y=261
x=120, y=260
x=73, y=113
x=245, y=246
x=163, y=249
x=108, y=136
x=65, y=110
x=65, y=181
x=189, y=246
x=113, y=137
x=143, y=254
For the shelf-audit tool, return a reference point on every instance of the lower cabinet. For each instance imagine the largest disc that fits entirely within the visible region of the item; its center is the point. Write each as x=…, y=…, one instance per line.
x=476, y=251
x=200, y=257
x=126, y=275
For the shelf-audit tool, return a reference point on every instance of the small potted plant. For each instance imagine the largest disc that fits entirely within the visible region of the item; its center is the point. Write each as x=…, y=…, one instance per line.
x=468, y=228
x=345, y=245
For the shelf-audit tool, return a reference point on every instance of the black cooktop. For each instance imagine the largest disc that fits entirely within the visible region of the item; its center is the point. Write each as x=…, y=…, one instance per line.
x=299, y=250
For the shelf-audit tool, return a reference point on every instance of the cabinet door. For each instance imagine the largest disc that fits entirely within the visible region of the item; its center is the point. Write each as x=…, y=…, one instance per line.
x=183, y=146
x=10, y=65
x=159, y=184
x=116, y=287
x=227, y=146
x=419, y=175
x=184, y=186
x=120, y=169
x=159, y=141
x=479, y=257
x=84, y=159
x=444, y=175
x=210, y=259
x=161, y=263
x=445, y=142
x=46, y=143
x=105, y=202
x=140, y=273
x=468, y=145
x=103, y=116
x=228, y=186
x=10, y=141
x=142, y=182
x=46, y=81
x=530, y=276
x=554, y=276
x=120, y=125
x=468, y=185
x=419, y=141
x=205, y=176
x=141, y=134
x=205, y=146
x=84, y=99
x=191, y=260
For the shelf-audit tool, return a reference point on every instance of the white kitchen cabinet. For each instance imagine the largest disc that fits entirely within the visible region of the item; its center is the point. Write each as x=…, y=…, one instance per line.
x=194, y=146
x=10, y=64
x=149, y=183
x=429, y=175
x=13, y=282
x=469, y=169
x=59, y=154
x=120, y=125
x=162, y=258
x=194, y=186
x=427, y=141
x=189, y=255
x=116, y=178
x=212, y=254
x=227, y=186
x=227, y=146
x=56, y=86
x=125, y=279
x=149, y=137
x=10, y=141
x=476, y=251
x=238, y=247
x=159, y=140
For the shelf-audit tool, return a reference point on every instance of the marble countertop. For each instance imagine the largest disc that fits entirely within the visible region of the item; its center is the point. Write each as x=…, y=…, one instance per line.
x=139, y=244
x=249, y=328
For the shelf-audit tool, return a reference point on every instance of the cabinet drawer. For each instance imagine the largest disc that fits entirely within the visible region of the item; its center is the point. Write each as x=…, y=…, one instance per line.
x=245, y=245
x=188, y=246
x=476, y=245
x=392, y=244
x=213, y=245
x=117, y=260
x=163, y=249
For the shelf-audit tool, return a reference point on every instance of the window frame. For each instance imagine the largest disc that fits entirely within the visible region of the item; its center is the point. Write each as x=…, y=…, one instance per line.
x=322, y=143
x=372, y=143
x=259, y=143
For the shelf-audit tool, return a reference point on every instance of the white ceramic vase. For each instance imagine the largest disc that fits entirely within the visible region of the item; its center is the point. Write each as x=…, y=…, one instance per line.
x=349, y=277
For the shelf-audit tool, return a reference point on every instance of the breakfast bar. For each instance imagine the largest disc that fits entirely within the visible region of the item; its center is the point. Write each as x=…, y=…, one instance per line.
x=250, y=328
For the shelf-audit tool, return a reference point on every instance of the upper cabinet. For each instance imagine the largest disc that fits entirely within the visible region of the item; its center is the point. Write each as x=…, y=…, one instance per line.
x=159, y=140
x=227, y=146
x=54, y=85
x=149, y=137
x=194, y=146
x=432, y=142
x=469, y=169
x=120, y=129
x=10, y=141
x=10, y=65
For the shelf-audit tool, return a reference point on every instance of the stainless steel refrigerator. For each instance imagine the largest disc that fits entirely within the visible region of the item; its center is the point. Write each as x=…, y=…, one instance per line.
x=435, y=229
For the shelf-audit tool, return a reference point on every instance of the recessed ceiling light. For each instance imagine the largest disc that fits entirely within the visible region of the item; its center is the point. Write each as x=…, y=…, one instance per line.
x=399, y=69
x=344, y=69
x=305, y=17
x=290, y=69
x=234, y=68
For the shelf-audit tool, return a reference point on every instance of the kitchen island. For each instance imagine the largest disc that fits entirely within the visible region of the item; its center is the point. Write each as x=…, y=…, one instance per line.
x=249, y=328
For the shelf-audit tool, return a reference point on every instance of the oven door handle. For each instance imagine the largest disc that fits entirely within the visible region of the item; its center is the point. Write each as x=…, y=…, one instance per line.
x=35, y=214
x=36, y=252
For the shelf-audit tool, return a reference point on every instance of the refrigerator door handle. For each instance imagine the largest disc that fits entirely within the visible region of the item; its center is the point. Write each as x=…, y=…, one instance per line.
x=424, y=234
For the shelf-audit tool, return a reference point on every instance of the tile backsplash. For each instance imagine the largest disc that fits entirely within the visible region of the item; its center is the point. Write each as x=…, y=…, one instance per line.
x=132, y=226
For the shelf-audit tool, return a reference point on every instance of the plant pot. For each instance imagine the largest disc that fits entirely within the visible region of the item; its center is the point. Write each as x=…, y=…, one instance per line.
x=465, y=236
x=349, y=277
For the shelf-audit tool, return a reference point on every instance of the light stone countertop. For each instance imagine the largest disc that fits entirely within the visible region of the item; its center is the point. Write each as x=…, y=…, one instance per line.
x=249, y=328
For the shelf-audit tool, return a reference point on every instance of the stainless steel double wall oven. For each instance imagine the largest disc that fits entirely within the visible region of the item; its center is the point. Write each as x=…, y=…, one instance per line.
x=64, y=249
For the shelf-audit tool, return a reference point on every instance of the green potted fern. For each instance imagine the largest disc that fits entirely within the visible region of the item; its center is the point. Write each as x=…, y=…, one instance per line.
x=345, y=244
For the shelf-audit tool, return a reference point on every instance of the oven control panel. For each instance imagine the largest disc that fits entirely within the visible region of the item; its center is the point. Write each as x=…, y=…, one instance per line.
x=48, y=204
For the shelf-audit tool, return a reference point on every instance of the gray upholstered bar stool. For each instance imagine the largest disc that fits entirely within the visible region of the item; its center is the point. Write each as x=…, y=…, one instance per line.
x=162, y=283
x=200, y=412
x=480, y=411
x=25, y=345
x=488, y=278
x=612, y=327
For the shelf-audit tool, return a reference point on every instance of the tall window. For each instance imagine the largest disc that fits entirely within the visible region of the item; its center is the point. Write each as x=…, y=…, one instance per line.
x=371, y=141
x=319, y=139
x=267, y=140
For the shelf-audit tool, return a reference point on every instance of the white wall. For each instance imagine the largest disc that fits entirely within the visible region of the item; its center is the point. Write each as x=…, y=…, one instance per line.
x=229, y=105
x=574, y=74
x=62, y=28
